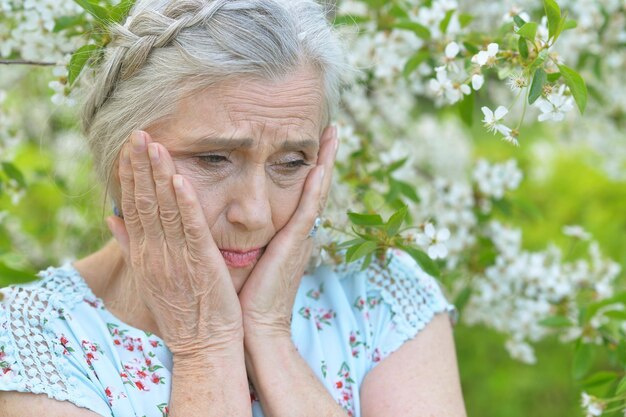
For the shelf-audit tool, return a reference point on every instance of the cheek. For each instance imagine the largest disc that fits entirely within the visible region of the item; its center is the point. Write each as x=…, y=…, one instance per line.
x=285, y=203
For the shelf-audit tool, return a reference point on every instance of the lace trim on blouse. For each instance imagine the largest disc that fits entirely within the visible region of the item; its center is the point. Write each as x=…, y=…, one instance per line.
x=34, y=359
x=413, y=296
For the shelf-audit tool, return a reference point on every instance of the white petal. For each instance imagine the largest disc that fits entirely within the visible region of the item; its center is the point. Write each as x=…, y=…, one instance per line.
x=488, y=114
x=500, y=112
x=544, y=116
x=465, y=89
x=452, y=50
x=477, y=81
x=429, y=230
x=443, y=235
x=481, y=58
x=503, y=129
x=492, y=49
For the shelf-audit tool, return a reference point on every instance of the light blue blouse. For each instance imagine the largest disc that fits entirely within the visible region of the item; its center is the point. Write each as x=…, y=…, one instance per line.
x=57, y=338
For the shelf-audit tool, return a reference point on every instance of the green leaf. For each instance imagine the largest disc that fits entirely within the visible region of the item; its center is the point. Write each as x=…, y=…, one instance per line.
x=599, y=379
x=366, y=219
x=119, y=12
x=10, y=276
x=528, y=31
x=465, y=19
x=466, y=109
x=443, y=26
x=351, y=242
x=554, y=77
x=414, y=62
x=65, y=22
x=428, y=265
x=616, y=314
x=522, y=46
x=553, y=12
x=538, y=62
x=93, y=8
x=555, y=321
x=367, y=261
x=395, y=221
x=536, y=87
x=405, y=189
x=346, y=20
x=396, y=165
x=577, y=86
x=420, y=30
x=621, y=388
x=461, y=300
x=592, y=308
x=583, y=359
x=519, y=21
x=78, y=61
x=358, y=251
x=14, y=173
x=570, y=24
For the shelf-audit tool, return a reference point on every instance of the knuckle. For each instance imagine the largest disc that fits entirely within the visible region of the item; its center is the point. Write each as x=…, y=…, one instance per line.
x=170, y=218
x=146, y=205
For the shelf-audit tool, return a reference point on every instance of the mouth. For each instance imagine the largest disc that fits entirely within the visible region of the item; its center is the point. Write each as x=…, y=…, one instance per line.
x=236, y=258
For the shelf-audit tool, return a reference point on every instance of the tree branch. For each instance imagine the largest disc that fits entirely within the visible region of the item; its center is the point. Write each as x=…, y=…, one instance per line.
x=24, y=62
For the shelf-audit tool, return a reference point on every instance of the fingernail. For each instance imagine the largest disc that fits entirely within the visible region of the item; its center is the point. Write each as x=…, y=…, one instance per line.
x=178, y=182
x=139, y=142
x=336, y=145
x=322, y=173
x=153, y=151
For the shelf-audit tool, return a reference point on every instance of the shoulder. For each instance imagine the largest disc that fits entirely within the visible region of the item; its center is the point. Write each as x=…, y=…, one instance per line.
x=411, y=295
x=395, y=298
x=33, y=319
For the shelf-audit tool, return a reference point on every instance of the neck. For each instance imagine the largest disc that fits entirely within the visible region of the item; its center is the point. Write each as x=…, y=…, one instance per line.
x=110, y=279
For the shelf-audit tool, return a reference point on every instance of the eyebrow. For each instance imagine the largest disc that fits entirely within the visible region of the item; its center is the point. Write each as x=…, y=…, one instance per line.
x=229, y=143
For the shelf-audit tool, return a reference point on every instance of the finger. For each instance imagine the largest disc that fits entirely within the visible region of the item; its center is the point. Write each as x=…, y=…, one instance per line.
x=127, y=182
x=327, y=158
x=145, y=193
x=198, y=238
x=304, y=217
x=163, y=169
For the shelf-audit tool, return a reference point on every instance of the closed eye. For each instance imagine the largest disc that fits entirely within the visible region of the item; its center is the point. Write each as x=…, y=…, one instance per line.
x=213, y=159
x=294, y=164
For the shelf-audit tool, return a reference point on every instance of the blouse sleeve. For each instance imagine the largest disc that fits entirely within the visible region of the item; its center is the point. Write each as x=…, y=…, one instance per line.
x=31, y=359
x=408, y=299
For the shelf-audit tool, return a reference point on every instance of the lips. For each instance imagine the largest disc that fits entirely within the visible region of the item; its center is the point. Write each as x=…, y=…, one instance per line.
x=240, y=259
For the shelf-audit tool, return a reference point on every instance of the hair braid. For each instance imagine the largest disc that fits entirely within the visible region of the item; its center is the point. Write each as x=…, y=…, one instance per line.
x=132, y=43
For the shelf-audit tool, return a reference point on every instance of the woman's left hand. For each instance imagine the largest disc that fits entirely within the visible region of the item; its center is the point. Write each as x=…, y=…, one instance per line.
x=269, y=293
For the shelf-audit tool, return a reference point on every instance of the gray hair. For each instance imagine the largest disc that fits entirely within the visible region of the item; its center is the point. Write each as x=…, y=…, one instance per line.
x=169, y=49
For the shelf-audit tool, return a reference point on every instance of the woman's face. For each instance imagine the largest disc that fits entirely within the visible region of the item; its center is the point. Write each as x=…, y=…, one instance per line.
x=247, y=148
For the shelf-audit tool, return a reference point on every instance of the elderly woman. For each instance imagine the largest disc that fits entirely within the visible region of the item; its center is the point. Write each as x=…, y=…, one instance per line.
x=210, y=122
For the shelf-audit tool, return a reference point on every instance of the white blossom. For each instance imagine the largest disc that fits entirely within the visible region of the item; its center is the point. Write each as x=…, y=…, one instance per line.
x=555, y=105
x=433, y=239
x=592, y=405
x=576, y=231
x=492, y=120
x=487, y=57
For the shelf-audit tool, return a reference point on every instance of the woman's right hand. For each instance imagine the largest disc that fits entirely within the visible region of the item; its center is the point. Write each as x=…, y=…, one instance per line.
x=170, y=251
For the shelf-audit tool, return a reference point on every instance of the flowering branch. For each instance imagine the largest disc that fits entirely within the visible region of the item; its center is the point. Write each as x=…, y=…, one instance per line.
x=26, y=62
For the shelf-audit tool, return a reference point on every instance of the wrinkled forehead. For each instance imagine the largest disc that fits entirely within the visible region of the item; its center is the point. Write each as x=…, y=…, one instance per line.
x=250, y=108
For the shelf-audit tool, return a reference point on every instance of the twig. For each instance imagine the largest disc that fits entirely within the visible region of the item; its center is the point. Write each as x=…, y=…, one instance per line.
x=24, y=62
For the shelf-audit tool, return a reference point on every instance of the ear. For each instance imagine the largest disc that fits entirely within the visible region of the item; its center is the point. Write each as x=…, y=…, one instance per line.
x=118, y=230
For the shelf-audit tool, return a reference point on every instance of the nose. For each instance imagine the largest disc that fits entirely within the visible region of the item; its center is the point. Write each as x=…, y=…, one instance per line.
x=249, y=204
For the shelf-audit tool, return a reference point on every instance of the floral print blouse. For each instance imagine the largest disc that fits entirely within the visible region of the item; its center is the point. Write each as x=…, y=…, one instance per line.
x=58, y=339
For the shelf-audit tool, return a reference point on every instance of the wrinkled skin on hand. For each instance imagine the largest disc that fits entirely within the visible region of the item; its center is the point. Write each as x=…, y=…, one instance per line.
x=169, y=249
